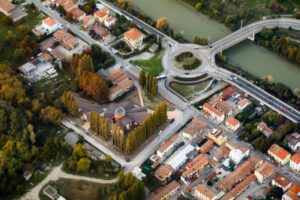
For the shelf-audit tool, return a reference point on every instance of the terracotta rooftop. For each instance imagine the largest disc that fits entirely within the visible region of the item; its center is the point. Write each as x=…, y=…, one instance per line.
x=77, y=12
x=296, y=158
x=224, y=106
x=133, y=34
x=168, y=143
x=237, y=175
x=266, y=169
x=239, y=187
x=6, y=5
x=293, y=192
x=207, y=146
x=228, y=92
x=87, y=19
x=199, y=162
x=212, y=109
x=232, y=121
x=195, y=126
x=165, y=190
x=209, y=194
x=163, y=171
x=282, y=180
x=243, y=102
x=49, y=21
x=278, y=151
x=101, y=12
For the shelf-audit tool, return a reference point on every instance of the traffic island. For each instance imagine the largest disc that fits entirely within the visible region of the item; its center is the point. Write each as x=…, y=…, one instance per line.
x=187, y=61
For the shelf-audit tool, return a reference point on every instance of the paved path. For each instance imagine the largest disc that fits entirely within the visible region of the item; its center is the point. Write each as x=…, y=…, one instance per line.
x=56, y=174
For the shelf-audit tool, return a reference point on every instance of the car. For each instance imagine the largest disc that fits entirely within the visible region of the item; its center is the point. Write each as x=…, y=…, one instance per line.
x=172, y=120
x=159, y=132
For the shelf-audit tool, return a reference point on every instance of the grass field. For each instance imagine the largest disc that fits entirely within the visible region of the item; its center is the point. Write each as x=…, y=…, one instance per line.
x=187, y=90
x=153, y=65
x=82, y=190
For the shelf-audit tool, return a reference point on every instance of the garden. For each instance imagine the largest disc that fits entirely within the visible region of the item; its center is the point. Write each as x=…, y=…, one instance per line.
x=187, y=61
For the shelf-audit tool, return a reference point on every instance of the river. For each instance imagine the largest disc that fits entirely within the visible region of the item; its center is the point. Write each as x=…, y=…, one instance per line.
x=250, y=57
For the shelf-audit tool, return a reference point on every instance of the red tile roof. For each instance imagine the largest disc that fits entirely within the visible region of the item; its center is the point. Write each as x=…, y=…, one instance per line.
x=133, y=34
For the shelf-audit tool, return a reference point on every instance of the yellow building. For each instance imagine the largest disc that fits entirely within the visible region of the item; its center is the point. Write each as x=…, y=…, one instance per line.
x=217, y=136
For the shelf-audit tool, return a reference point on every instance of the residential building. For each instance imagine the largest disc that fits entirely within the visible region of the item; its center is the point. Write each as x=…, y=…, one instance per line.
x=168, y=146
x=68, y=5
x=6, y=7
x=122, y=84
x=51, y=192
x=244, y=103
x=213, y=112
x=134, y=38
x=204, y=193
x=256, y=160
x=263, y=127
x=237, y=155
x=282, y=182
x=101, y=14
x=239, y=174
x=88, y=20
x=78, y=14
x=163, y=173
x=295, y=162
x=293, y=141
x=28, y=68
x=194, y=129
x=193, y=167
x=227, y=93
x=239, y=188
x=279, y=154
x=50, y=25
x=232, y=123
x=221, y=153
x=181, y=157
x=110, y=21
x=101, y=32
x=217, y=136
x=206, y=147
x=293, y=193
x=224, y=107
x=15, y=12
x=67, y=40
x=166, y=192
x=264, y=171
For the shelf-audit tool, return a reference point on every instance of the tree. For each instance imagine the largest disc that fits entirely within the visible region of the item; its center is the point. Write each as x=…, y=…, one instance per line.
x=79, y=151
x=276, y=192
x=83, y=165
x=198, y=6
x=94, y=86
x=142, y=78
x=162, y=23
x=70, y=103
x=51, y=114
x=85, y=63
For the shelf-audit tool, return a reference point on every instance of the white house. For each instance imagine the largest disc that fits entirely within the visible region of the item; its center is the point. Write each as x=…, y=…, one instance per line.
x=134, y=38
x=237, y=155
x=50, y=25
x=295, y=162
x=110, y=21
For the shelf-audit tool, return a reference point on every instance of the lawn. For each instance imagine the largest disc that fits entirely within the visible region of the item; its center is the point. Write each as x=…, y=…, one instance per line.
x=82, y=190
x=187, y=90
x=153, y=65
